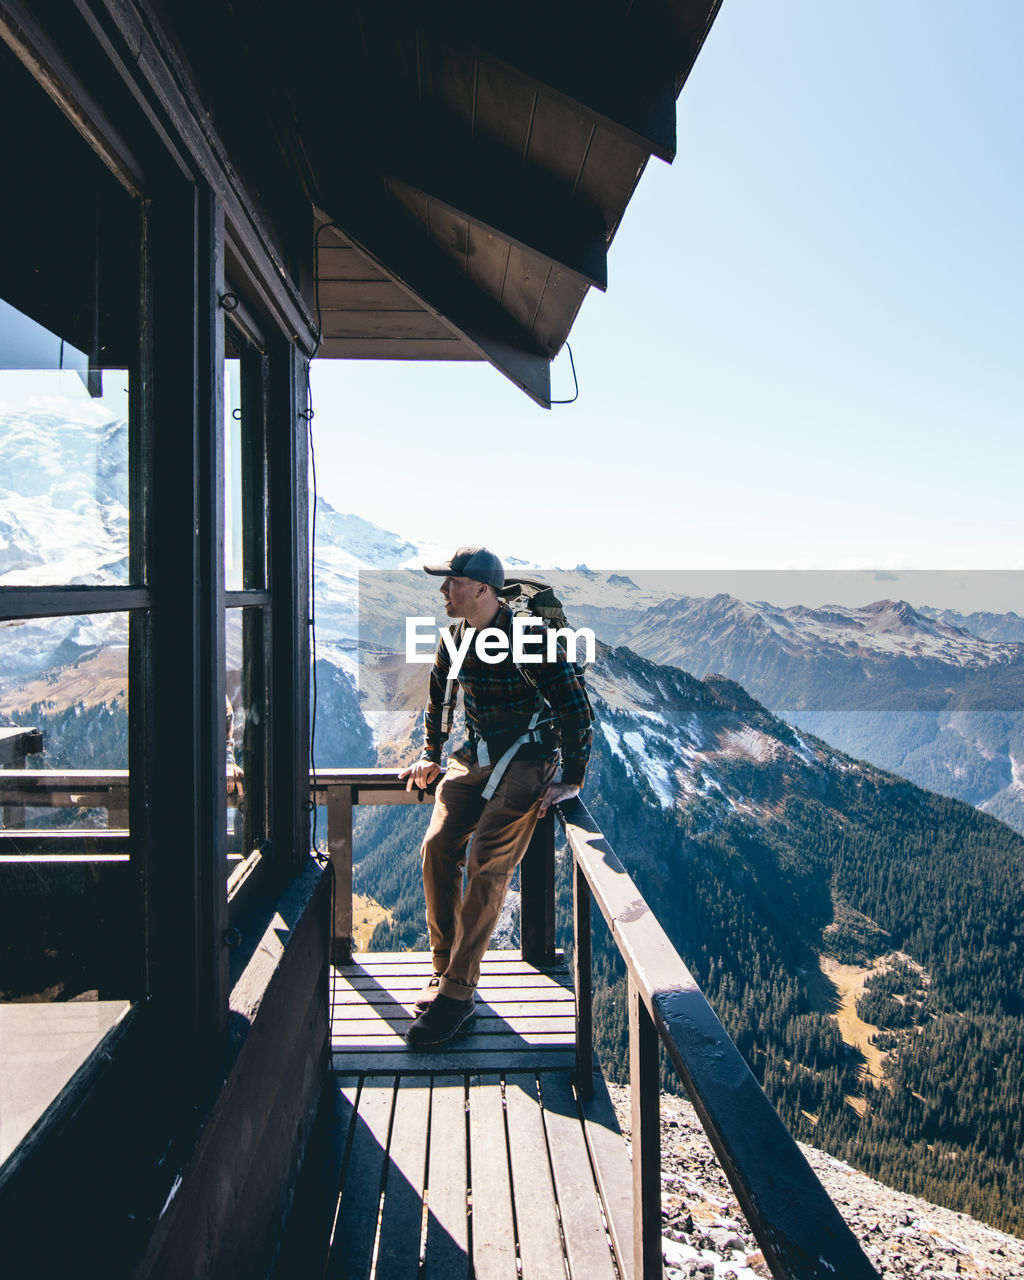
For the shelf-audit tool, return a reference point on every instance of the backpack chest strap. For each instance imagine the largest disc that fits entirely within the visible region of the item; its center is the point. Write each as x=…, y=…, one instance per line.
x=530, y=734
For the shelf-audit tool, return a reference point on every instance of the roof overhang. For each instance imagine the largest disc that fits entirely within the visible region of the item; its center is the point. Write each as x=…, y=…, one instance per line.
x=470, y=164
x=469, y=161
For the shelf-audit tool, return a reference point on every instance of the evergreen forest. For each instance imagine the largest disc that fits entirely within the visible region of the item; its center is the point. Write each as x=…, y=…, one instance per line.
x=873, y=866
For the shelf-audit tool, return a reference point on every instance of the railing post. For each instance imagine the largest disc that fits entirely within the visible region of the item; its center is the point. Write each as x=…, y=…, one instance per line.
x=117, y=807
x=645, y=1097
x=15, y=745
x=339, y=845
x=583, y=981
x=537, y=895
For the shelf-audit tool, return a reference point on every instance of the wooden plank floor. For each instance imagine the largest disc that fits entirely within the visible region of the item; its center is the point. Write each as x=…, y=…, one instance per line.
x=477, y=1163
x=475, y=1176
x=525, y=1018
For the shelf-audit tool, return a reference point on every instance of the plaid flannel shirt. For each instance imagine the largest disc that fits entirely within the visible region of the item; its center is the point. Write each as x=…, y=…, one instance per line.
x=499, y=702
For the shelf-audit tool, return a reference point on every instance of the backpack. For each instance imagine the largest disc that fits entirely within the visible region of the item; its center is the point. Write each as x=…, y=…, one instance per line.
x=531, y=598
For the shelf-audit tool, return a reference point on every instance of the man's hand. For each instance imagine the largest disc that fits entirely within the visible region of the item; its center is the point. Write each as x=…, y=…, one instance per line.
x=555, y=793
x=236, y=783
x=421, y=774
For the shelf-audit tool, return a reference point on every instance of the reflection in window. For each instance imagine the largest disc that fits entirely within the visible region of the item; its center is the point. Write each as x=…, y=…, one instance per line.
x=247, y=619
x=246, y=728
x=233, y=575
x=64, y=699
x=63, y=461
x=72, y=910
x=70, y=928
x=245, y=465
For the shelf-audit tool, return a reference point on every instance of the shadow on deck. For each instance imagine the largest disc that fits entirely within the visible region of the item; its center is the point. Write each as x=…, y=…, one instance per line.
x=482, y=1160
x=501, y=1156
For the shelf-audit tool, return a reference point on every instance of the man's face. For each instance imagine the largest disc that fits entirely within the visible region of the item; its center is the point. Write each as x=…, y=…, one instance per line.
x=459, y=595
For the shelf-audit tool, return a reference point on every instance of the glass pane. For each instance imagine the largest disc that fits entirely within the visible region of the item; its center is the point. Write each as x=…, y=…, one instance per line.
x=246, y=731
x=64, y=720
x=70, y=916
x=233, y=546
x=245, y=505
x=71, y=901
x=63, y=460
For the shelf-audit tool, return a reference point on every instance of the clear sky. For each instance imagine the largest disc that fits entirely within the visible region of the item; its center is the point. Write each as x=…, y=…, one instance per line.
x=810, y=354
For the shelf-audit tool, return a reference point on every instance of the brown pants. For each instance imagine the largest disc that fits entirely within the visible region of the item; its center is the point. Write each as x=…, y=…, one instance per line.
x=461, y=924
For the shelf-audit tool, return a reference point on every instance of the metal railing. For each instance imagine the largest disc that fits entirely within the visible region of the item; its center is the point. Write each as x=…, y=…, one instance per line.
x=799, y=1230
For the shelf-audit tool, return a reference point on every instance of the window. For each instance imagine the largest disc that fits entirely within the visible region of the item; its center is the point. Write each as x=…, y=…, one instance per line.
x=73, y=606
x=247, y=632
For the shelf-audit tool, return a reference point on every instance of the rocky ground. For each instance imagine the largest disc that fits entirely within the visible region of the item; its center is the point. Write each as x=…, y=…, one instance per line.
x=706, y=1237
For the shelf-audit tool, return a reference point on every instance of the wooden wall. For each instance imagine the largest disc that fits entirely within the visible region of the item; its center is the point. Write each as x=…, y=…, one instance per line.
x=227, y=1216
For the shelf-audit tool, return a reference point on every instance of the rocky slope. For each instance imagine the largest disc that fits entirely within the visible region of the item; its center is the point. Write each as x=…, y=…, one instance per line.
x=706, y=1236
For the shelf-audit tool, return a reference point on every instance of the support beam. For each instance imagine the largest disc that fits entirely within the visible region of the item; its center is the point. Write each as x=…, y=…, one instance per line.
x=645, y=1130
x=161, y=84
x=26, y=35
x=537, y=896
x=611, y=74
x=287, y=444
x=339, y=843
x=400, y=246
x=583, y=982
x=188, y=961
x=493, y=190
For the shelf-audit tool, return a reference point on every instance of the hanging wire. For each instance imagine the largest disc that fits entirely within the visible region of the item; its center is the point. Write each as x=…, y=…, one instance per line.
x=312, y=606
x=575, y=380
x=309, y=415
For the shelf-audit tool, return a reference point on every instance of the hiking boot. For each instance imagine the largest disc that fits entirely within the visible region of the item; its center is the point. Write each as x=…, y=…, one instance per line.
x=441, y=1021
x=426, y=997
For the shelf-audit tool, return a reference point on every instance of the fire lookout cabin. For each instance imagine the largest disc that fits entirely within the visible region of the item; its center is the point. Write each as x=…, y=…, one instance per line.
x=198, y=1078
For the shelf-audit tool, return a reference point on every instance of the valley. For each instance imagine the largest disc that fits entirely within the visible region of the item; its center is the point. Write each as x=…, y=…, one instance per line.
x=837, y=997
x=366, y=916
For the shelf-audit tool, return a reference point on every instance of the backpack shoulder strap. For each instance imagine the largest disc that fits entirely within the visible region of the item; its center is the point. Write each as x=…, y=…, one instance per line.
x=451, y=689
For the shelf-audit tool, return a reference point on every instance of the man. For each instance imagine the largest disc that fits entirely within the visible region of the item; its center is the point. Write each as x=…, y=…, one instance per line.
x=497, y=785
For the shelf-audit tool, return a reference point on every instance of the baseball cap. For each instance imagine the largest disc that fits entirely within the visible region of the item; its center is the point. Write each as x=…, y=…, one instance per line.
x=471, y=562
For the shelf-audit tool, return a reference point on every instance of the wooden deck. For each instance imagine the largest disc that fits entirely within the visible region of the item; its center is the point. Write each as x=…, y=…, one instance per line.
x=525, y=1017
x=480, y=1163
x=489, y=1175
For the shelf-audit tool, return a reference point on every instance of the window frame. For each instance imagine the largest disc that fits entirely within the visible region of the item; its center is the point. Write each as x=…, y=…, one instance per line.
x=196, y=216
x=48, y=600
x=254, y=598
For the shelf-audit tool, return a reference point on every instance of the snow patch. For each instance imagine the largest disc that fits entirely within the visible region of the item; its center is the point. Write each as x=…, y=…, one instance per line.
x=749, y=742
x=803, y=750
x=654, y=770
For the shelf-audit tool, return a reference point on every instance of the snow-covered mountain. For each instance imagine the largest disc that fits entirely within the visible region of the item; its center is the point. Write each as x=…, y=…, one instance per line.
x=63, y=489
x=367, y=581
x=774, y=861
x=701, y=634
x=987, y=625
x=902, y=687
x=680, y=738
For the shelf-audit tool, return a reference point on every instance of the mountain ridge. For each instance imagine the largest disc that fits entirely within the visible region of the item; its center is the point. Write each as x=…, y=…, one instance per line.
x=769, y=851
x=918, y=695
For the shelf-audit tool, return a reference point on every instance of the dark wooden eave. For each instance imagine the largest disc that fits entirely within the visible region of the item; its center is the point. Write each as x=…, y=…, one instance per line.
x=473, y=160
